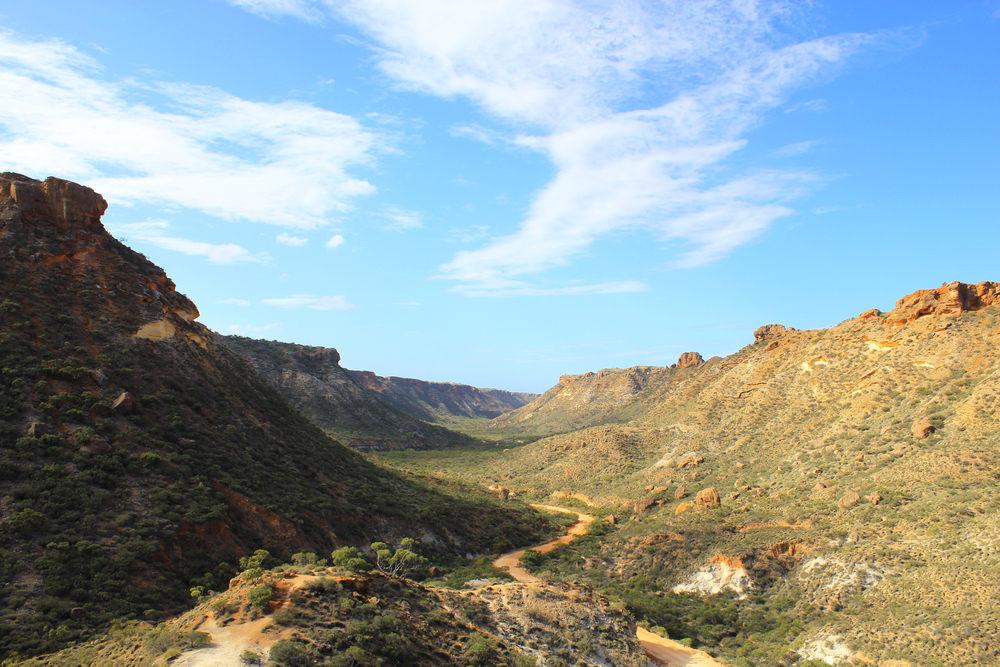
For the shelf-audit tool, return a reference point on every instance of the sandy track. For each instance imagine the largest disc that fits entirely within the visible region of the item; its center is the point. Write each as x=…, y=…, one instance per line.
x=665, y=652
x=228, y=644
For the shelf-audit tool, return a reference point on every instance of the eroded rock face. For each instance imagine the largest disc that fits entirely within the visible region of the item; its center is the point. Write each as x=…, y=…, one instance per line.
x=769, y=332
x=66, y=206
x=951, y=299
x=689, y=359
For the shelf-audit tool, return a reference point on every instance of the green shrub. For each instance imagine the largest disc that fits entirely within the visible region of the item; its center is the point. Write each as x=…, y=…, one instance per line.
x=260, y=596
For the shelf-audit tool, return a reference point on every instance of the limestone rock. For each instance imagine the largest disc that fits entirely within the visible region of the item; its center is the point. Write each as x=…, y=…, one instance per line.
x=643, y=504
x=690, y=460
x=951, y=299
x=870, y=314
x=124, y=404
x=689, y=359
x=707, y=498
x=680, y=492
x=769, y=332
x=850, y=499
x=820, y=486
x=922, y=428
x=875, y=498
x=683, y=507
x=611, y=519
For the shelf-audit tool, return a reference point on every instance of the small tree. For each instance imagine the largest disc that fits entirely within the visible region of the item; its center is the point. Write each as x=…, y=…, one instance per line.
x=253, y=565
x=400, y=562
x=348, y=558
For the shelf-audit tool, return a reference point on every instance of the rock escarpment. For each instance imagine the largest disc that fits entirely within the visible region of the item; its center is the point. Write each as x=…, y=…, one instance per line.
x=442, y=402
x=312, y=380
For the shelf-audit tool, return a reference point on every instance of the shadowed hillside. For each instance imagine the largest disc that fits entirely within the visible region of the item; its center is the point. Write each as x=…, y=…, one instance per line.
x=139, y=455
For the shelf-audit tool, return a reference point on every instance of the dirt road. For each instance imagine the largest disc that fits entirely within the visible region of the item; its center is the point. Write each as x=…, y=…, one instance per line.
x=665, y=652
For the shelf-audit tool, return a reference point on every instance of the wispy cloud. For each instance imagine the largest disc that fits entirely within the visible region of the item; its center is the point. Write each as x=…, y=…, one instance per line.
x=335, y=241
x=235, y=302
x=156, y=233
x=310, y=301
x=635, y=104
x=798, y=148
x=178, y=144
x=401, y=220
x=814, y=106
x=294, y=241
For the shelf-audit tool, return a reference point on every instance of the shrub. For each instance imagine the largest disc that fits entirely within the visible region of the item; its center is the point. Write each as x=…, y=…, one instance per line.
x=260, y=596
x=290, y=653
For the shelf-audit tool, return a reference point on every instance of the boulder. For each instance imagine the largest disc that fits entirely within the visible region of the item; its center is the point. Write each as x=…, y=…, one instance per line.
x=680, y=492
x=922, y=428
x=611, y=519
x=870, y=314
x=124, y=404
x=690, y=460
x=707, y=498
x=186, y=443
x=643, y=504
x=769, y=332
x=689, y=359
x=850, y=499
x=875, y=498
x=683, y=507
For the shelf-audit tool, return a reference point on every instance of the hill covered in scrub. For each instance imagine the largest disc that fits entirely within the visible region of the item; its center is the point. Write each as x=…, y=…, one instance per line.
x=139, y=456
x=818, y=495
x=314, y=382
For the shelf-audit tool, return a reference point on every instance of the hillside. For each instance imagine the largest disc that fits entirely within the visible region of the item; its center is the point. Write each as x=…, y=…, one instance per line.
x=842, y=481
x=314, y=382
x=139, y=456
x=442, y=402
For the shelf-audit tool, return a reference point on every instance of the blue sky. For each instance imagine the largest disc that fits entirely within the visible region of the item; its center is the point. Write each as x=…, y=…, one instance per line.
x=499, y=193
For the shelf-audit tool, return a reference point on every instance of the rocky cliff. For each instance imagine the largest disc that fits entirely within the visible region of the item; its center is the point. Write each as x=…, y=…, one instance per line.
x=137, y=453
x=442, y=402
x=333, y=398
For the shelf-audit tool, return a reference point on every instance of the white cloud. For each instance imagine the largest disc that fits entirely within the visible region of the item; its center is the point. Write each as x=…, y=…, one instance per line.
x=155, y=232
x=335, y=241
x=250, y=328
x=235, y=302
x=310, y=301
x=284, y=163
x=288, y=239
x=301, y=9
x=637, y=105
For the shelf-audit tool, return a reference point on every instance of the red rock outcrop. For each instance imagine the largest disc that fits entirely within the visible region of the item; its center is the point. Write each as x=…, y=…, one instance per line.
x=689, y=359
x=769, y=332
x=67, y=206
x=951, y=299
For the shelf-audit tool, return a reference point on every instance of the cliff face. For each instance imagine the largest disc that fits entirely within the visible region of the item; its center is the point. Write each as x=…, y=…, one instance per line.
x=442, y=402
x=137, y=452
x=312, y=380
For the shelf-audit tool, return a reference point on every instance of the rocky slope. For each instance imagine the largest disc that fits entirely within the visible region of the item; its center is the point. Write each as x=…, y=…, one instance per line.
x=137, y=453
x=314, y=382
x=844, y=477
x=442, y=402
